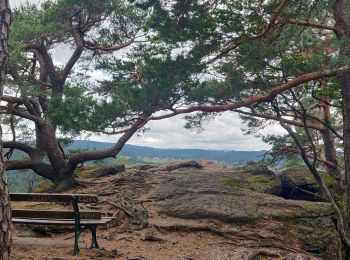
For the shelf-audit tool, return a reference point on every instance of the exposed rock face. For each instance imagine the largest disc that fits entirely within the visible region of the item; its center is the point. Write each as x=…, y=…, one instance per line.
x=259, y=180
x=199, y=196
x=209, y=195
x=185, y=164
x=242, y=200
x=298, y=184
x=102, y=171
x=294, y=184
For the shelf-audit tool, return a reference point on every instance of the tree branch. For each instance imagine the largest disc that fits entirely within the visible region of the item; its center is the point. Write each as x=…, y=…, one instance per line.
x=108, y=48
x=38, y=167
x=79, y=41
x=12, y=100
x=318, y=178
x=81, y=157
x=240, y=40
x=19, y=146
x=9, y=110
x=256, y=99
x=275, y=118
x=45, y=61
x=313, y=24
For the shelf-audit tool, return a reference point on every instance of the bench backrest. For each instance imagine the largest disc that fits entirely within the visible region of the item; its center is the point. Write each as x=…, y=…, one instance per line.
x=53, y=197
x=55, y=214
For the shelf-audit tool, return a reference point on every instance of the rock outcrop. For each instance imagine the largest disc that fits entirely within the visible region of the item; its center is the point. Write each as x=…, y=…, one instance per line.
x=228, y=197
x=101, y=171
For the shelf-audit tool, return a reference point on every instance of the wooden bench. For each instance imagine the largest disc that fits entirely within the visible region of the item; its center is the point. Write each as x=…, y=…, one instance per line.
x=81, y=219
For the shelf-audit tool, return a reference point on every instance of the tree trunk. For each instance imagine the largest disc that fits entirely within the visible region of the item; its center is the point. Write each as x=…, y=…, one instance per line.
x=342, y=18
x=65, y=183
x=329, y=144
x=5, y=209
x=345, y=82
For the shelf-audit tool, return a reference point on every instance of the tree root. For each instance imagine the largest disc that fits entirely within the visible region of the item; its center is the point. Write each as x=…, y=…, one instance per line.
x=262, y=242
x=106, y=193
x=68, y=184
x=128, y=213
x=263, y=252
x=185, y=228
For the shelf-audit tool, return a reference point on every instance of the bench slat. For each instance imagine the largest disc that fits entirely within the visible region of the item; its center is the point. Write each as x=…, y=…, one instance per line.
x=55, y=214
x=102, y=221
x=53, y=197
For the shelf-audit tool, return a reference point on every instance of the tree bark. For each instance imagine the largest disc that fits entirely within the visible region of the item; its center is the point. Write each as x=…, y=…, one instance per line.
x=5, y=209
x=329, y=143
x=342, y=18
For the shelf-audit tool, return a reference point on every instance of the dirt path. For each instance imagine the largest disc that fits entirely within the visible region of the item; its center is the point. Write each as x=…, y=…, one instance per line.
x=152, y=192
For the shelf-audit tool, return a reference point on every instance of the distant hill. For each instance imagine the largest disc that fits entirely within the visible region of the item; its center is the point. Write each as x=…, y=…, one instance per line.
x=25, y=180
x=134, y=151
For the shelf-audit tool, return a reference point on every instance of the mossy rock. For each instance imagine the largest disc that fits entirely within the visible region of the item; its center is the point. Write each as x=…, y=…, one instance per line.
x=260, y=180
x=317, y=235
x=295, y=184
x=207, y=196
x=301, y=185
x=100, y=171
x=44, y=187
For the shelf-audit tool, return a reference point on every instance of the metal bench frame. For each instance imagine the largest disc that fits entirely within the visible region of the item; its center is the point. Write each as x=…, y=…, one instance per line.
x=80, y=224
x=81, y=228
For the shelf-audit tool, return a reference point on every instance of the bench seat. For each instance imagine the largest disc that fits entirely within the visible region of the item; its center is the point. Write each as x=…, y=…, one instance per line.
x=68, y=222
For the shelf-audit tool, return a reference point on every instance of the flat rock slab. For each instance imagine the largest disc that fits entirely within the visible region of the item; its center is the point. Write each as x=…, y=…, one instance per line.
x=205, y=195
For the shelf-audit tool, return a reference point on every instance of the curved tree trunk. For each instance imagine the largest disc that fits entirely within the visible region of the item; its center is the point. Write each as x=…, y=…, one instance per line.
x=5, y=209
x=61, y=168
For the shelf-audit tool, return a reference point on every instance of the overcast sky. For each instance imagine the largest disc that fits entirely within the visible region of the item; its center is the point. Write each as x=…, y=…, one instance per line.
x=223, y=133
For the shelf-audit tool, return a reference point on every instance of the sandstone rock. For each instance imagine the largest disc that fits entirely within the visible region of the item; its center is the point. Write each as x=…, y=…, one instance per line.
x=259, y=180
x=101, y=171
x=298, y=184
x=207, y=196
x=184, y=164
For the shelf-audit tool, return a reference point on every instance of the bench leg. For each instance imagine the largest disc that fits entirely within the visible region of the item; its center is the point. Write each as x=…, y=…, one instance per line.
x=76, y=241
x=93, y=237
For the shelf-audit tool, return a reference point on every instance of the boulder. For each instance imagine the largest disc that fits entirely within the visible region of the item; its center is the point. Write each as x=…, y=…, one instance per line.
x=259, y=180
x=299, y=184
x=101, y=171
x=294, y=184
x=184, y=164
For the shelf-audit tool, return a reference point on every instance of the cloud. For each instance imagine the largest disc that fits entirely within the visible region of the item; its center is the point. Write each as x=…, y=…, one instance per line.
x=16, y=3
x=223, y=133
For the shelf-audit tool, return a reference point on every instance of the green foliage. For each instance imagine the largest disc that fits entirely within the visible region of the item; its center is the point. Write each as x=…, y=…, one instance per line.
x=50, y=25
x=98, y=162
x=258, y=183
x=253, y=165
x=171, y=67
x=23, y=181
x=294, y=162
x=125, y=160
x=51, y=19
x=156, y=161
